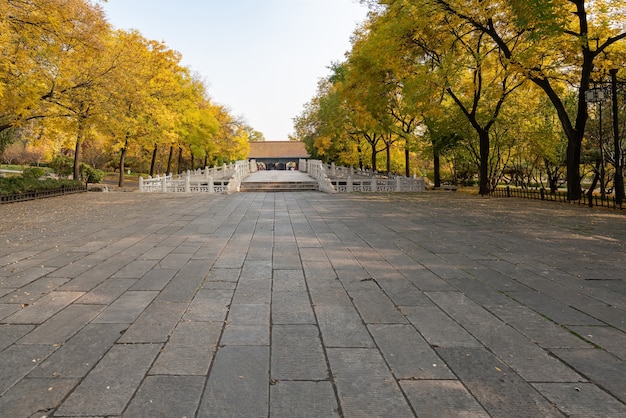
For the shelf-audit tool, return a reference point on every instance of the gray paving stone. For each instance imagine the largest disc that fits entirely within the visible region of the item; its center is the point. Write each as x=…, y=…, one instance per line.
x=257, y=269
x=600, y=367
x=44, y=308
x=256, y=291
x=18, y=360
x=582, y=400
x=286, y=256
x=99, y=273
x=127, y=308
x=174, y=261
x=246, y=335
x=238, y=385
x=531, y=362
x=178, y=360
x=427, y=281
x=223, y=275
x=155, y=324
x=79, y=267
x=157, y=253
x=537, y=328
x=9, y=334
x=497, y=387
x=7, y=309
x=135, y=269
x=365, y=385
x=438, y=328
x=610, y=339
x=155, y=279
x=297, y=353
x=442, y=398
x=409, y=356
x=108, y=388
x=166, y=396
x=291, y=308
x=289, y=280
x=303, y=400
x=107, y=291
x=341, y=326
x=186, y=283
x=376, y=308
x=555, y=311
x=402, y=292
x=63, y=325
x=36, y=289
x=35, y=397
x=462, y=309
x=209, y=305
x=64, y=259
x=79, y=355
x=249, y=314
x=24, y=277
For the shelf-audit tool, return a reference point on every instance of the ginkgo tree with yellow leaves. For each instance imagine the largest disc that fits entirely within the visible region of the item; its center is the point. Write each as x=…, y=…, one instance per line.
x=560, y=46
x=71, y=84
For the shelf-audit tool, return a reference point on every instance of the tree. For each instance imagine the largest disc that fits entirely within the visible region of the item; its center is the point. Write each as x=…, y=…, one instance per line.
x=556, y=44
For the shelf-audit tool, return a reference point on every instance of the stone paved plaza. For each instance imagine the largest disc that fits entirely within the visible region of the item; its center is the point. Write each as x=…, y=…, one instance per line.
x=311, y=305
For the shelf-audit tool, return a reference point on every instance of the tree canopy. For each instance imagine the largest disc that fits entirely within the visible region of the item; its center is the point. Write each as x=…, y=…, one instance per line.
x=495, y=85
x=71, y=84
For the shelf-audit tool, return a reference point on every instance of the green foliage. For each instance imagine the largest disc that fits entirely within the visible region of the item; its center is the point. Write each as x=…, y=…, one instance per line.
x=63, y=166
x=6, y=138
x=33, y=173
x=15, y=185
x=90, y=174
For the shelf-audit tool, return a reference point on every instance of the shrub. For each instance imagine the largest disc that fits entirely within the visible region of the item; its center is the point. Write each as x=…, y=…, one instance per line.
x=90, y=174
x=63, y=166
x=15, y=185
x=33, y=173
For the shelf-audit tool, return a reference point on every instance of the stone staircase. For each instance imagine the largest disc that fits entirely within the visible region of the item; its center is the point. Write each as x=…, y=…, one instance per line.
x=279, y=186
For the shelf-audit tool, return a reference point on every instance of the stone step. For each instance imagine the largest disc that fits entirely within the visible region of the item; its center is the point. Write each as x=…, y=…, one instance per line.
x=279, y=186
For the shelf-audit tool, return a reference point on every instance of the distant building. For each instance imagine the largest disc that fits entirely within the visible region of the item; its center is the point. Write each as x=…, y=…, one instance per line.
x=277, y=155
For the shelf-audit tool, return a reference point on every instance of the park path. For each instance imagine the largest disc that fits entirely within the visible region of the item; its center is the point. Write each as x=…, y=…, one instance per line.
x=311, y=305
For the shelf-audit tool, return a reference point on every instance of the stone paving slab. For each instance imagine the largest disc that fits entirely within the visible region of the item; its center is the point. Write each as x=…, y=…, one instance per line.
x=311, y=305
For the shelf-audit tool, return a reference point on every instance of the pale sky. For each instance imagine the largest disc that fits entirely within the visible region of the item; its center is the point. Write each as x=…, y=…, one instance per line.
x=260, y=58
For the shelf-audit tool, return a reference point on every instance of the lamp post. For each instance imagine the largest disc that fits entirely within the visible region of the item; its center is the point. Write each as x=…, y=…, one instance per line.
x=619, y=177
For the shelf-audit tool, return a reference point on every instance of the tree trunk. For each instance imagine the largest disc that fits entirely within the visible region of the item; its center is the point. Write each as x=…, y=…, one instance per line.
x=484, y=187
x=79, y=145
x=594, y=183
x=153, y=162
x=193, y=161
x=407, y=156
x=388, y=153
x=374, y=153
x=180, y=159
x=169, y=161
x=437, y=168
x=120, y=182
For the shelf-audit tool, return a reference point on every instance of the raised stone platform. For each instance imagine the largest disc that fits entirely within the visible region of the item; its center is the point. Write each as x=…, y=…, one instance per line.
x=278, y=181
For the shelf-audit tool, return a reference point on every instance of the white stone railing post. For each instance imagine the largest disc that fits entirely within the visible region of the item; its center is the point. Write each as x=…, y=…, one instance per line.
x=164, y=183
x=349, y=185
x=211, y=185
x=140, y=184
x=187, y=183
x=398, y=184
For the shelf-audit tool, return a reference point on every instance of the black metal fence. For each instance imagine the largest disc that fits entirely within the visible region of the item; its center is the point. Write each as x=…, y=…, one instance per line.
x=41, y=194
x=543, y=194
